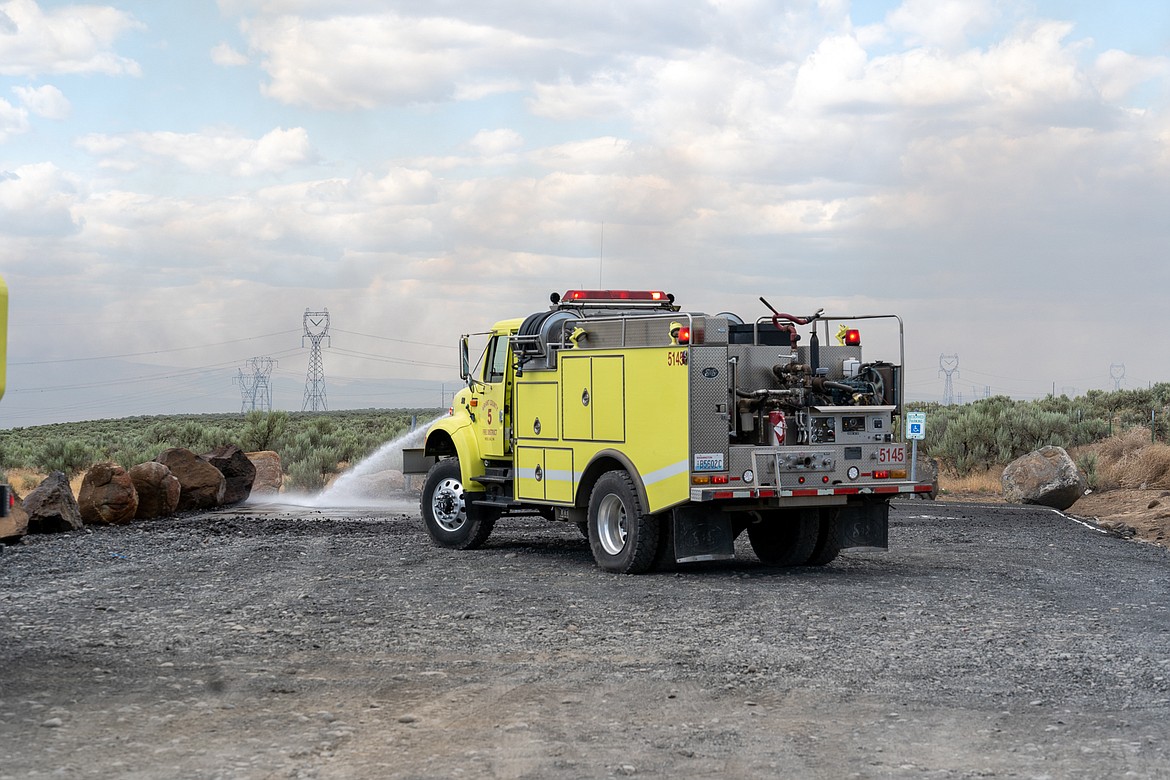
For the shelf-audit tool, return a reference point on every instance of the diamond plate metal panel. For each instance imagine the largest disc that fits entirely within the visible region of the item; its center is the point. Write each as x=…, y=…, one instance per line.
x=709, y=400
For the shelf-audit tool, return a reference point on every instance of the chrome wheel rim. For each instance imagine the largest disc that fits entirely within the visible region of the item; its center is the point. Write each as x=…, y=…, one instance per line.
x=447, y=505
x=612, y=524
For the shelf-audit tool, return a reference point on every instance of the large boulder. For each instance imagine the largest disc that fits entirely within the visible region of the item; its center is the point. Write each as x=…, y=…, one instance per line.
x=269, y=472
x=158, y=490
x=1048, y=477
x=928, y=472
x=15, y=524
x=51, y=506
x=202, y=485
x=107, y=495
x=238, y=472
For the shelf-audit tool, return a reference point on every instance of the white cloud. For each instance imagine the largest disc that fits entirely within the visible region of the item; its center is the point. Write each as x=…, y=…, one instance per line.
x=47, y=101
x=13, y=120
x=224, y=55
x=1117, y=73
x=495, y=142
x=70, y=39
x=351, y=62
x=275, y=152
x=38, y=200
x=947, y=24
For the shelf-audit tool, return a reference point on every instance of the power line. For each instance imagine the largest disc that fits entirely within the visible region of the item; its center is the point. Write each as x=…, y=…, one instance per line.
x=153, y=352
x=391, y=338
x=386, y=359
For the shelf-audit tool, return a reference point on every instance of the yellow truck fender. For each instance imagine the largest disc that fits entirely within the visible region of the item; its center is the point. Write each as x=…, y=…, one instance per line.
x=455, y=436
x=609, y=460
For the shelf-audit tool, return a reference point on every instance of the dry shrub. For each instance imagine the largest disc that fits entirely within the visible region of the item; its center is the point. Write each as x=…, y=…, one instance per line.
x=23, y=481
x=1148, y=467
x=980, y=482
x=1116, y=448
x=1130, y=460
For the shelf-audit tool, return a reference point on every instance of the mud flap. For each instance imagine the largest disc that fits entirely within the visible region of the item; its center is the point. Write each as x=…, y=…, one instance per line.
x=864, y=526
x=701, y=535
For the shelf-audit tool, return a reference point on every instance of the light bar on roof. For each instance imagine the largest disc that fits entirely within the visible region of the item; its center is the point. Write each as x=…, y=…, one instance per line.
x=609, y=296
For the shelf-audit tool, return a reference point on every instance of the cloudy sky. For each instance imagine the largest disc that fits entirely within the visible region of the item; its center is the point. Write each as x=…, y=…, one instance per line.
x=180, y=181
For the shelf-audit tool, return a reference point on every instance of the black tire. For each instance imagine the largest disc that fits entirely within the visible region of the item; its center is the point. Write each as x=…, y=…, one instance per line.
x=451, y=518
x=623, y=537
x=828, y=541
x=785, y=538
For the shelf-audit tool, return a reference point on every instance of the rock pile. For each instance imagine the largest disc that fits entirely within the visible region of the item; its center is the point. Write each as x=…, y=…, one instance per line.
x=177, y=480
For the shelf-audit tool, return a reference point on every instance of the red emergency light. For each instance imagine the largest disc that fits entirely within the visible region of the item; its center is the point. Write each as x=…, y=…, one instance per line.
x=852, y=337
x=608, y=296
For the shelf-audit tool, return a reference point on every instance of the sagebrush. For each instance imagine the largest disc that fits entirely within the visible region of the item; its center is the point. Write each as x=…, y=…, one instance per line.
x=989, y=433
x=312, y=445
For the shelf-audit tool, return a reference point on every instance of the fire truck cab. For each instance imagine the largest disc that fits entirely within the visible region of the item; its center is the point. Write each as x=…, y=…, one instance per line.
x=664, y=434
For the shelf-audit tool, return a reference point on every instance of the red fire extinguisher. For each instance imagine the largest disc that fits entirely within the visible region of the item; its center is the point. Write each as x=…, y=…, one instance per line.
x=776, y=419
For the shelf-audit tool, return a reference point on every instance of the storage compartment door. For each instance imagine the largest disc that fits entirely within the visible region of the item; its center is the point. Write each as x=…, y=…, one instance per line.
x=536, y=415
x=559, y=481
x=530, y=473
x=609, y=399
x=577, y=397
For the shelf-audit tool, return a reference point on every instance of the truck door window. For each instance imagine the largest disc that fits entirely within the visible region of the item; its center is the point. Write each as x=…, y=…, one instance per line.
x=497, y=360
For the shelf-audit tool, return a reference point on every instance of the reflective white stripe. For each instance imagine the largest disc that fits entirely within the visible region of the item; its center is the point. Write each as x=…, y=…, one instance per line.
x=525, y=473
x=560, y=475
x=673, y=470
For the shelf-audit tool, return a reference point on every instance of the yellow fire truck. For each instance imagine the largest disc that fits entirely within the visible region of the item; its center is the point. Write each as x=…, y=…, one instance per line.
x=664, y=434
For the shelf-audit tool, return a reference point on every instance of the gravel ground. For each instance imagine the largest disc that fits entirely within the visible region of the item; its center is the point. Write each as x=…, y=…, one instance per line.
x=271, y=642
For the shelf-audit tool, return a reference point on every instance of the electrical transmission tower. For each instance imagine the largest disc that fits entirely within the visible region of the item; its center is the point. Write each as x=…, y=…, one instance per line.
x=316, y=331
x=1117, y=371
x=948, y=365
x=254, y=387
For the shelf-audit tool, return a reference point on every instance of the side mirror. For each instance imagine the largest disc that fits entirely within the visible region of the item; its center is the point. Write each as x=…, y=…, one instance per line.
x=464, y=359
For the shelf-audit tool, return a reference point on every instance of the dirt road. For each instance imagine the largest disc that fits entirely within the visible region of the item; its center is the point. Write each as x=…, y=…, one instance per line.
x=273, y=643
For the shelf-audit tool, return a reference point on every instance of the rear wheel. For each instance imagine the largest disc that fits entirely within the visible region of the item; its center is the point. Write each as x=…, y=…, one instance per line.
x=828, y=545
x=785, y=538
x=623, y=538
x=451, y=518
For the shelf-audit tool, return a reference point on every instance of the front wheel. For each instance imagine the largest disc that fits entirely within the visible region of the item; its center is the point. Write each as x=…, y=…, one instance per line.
x=451, y=518
x=623, y=537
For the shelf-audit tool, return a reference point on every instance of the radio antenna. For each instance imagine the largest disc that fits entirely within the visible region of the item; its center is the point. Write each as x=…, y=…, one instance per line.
x=601, y=256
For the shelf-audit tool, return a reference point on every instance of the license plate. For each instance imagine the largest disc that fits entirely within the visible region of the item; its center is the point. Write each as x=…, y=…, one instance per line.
x=708, y=461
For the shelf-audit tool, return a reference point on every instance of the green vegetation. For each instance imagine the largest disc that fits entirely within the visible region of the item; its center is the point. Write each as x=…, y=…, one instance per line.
x=995, y=431
x=311, y=444
x=966, y=439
